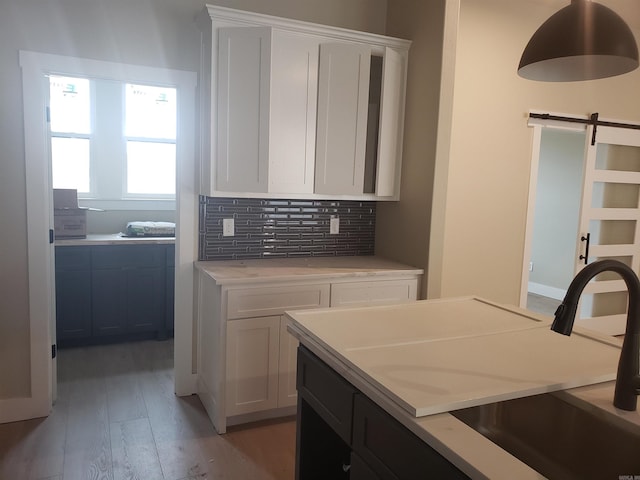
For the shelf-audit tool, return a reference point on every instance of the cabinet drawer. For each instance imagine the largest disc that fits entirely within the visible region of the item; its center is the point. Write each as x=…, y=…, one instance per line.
x=328, y=393
x=128, y=256
x=379, y=292
x=73, y=258
x=264, y=301
x=391, y=450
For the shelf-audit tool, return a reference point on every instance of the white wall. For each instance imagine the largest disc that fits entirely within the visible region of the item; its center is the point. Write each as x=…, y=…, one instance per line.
x=157, y=33
x=479, y=246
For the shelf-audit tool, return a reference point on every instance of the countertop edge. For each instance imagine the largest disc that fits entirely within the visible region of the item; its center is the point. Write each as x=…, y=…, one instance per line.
x=296, y=269
x=112, y=239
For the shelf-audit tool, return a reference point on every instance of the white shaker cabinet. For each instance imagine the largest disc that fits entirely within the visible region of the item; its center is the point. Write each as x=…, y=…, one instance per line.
x=343, y=98
x=252, y=364
x=246, y=356
x=266, y=115
x=299, y=110
x=377, y=292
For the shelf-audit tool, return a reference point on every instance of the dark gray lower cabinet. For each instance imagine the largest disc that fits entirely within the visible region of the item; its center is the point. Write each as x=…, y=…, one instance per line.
x=73, y=292
x=343, y=434
x=170, y=286
x=360, y=470
x=120, y=293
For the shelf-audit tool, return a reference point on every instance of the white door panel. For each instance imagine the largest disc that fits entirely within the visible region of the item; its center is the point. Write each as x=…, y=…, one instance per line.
x=609, y=223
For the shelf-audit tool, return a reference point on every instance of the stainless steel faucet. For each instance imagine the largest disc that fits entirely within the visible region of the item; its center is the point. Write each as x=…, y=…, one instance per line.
x=628, y=377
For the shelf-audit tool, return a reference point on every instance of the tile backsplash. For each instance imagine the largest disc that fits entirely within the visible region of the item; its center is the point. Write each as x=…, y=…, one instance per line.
x=284, y=228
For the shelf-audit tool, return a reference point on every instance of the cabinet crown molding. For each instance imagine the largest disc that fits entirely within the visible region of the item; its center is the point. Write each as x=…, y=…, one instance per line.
x=252, y=19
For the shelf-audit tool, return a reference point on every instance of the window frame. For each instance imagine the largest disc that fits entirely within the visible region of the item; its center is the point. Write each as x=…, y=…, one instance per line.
x=108, y=191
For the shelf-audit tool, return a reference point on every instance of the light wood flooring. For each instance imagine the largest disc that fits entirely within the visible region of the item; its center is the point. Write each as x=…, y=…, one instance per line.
x=541, y=304
x=117, y=418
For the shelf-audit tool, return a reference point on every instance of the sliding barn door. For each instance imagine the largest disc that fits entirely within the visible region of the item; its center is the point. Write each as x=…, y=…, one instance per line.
x=609, y=223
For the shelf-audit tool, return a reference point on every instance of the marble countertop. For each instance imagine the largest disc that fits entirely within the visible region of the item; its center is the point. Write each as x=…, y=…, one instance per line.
x=393, y=326
x=113, y=239
x=286, y=269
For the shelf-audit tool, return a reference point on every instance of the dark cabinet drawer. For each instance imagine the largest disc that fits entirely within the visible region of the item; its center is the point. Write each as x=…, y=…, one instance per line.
x=391, y=450
x=128, y=256
x=73, y=258
x=329, y=394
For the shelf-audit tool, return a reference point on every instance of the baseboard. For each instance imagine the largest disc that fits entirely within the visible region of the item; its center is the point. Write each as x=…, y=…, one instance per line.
x=546, y=291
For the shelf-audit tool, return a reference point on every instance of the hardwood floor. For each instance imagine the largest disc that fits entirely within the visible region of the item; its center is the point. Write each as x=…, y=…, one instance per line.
x=540, y=304
x=117, y=418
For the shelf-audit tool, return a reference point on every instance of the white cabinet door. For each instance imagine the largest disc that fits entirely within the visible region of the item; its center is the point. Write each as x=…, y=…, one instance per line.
x=244, y=55
x=267, y=98
x=384, y=292
x=391, y=123
x=343, y=98
x=287, y=392
x=293, y=111
x=252, y=364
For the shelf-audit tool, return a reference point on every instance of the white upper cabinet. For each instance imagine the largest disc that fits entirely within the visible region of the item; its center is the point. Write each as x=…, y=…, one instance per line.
x=243, y=93
x=294, y=83
x=267, y=83
x=343, y=98
x=298, y=110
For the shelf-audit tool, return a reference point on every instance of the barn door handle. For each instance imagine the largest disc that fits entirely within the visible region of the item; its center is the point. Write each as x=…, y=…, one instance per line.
x=587, y=239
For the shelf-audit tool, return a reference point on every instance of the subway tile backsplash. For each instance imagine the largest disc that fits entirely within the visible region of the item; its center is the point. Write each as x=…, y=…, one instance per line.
x=266, y=228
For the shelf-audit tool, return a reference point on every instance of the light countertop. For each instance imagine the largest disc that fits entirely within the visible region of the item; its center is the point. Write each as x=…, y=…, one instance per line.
x=286, y=269
x=420, y=360
x=113, y=239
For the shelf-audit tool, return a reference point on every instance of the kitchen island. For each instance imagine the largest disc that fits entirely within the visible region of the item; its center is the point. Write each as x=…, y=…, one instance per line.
x=376, y=386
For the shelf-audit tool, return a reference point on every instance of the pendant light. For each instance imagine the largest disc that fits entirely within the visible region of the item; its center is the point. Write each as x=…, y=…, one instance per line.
x=583, y=41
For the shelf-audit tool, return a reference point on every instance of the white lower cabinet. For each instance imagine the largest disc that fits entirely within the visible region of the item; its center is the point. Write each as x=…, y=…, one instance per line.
x=383, y=292
x=247, y=358
x=261, y=365
x=252, y=364
x=287, y=392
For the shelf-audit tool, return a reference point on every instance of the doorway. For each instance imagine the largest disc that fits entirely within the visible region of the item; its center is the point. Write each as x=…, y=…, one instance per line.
x=557, y=210
x=584, y=206
x=35, y=68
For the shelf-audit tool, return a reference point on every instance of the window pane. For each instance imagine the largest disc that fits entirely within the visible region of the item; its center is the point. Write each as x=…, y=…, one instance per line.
x=70, y=163
x=70, y=105
x=151, y=168
x=150, y=112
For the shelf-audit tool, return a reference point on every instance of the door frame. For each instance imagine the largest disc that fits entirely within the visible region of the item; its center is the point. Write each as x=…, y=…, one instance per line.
x=35, y=66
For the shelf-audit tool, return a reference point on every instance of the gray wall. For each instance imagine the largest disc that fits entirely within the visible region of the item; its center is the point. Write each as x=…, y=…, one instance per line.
x=402, y=228
x=157, y=33
x=557, y=211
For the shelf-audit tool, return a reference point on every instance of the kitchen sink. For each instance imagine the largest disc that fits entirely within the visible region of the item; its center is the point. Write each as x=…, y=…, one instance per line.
x=560, y=438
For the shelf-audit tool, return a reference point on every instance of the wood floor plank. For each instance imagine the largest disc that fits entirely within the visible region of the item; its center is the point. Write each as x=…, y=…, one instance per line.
x=124, y=397
x=117, y=418
x=270, y=445
x=33, y=449
x=88, y=443
x=134, y=451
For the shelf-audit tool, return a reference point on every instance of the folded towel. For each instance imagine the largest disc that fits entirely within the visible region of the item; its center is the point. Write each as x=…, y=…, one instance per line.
x=150, y=229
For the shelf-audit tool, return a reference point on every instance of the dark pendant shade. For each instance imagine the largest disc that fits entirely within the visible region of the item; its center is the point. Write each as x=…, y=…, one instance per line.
x=583, y=41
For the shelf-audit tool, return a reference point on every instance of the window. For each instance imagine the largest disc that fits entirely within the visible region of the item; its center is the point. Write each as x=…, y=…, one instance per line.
x=113, y=141
x=150, y=129
x=70, y=133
